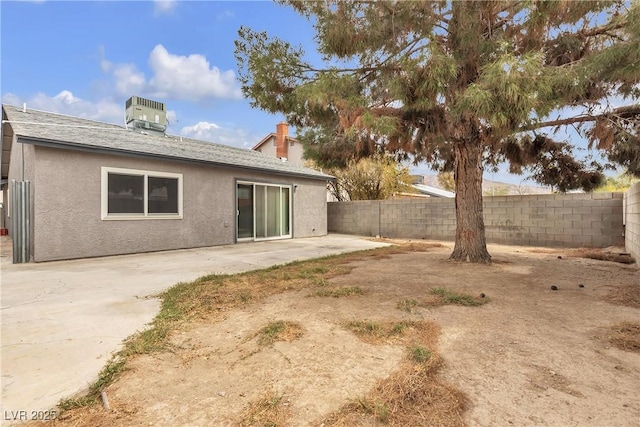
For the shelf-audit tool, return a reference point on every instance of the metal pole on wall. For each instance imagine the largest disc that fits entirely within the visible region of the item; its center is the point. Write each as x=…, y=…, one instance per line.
x=20, y=221
x=15, y=221
x=27, y=222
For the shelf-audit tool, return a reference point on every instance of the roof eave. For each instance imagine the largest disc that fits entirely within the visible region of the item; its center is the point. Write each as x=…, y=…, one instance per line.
x=106, y=150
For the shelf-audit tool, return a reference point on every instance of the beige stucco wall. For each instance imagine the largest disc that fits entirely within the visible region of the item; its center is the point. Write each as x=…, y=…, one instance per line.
x=632, y=221
x=310, y=208
x=296, y=151
x=21, y=168
x=269, y=147
x=67, y=216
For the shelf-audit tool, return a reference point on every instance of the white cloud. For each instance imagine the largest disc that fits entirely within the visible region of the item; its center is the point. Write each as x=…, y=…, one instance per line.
x=171, y=117
x=65, y=102
x=65, y=97
x=201, y=130
x=208, y=131
x=129, y=81
x=190, y=78
x=11, y=99
x=164, y=7
x=225, y=14
x=105, y=65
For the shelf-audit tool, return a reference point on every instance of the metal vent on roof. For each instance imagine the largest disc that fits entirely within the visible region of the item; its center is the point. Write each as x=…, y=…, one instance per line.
x=146, y=114
x=136, y=100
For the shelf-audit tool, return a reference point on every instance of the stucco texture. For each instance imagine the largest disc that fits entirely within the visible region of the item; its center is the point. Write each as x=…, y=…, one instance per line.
x=67, y=210
x=22, y=168
x=632, y=221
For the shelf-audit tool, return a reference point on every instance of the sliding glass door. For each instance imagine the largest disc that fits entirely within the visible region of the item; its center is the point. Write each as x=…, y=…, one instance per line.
x=264, y=211
x=245, y=224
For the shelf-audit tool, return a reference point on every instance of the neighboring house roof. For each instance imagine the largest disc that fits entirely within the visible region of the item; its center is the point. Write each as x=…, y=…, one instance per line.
x=49, y=129
x=433, y=191
x=263, y=141
x=269, y=138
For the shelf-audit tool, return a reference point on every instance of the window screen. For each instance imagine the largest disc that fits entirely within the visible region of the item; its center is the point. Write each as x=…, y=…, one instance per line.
x=126, y=194
x=163, y=195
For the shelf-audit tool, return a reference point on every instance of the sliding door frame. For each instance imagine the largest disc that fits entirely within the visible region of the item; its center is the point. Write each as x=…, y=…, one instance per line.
x=284, y=216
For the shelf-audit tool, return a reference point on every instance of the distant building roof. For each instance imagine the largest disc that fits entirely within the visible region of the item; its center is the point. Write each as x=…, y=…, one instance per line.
x=433, y=191
x=284, y=129
x=263, y=140
x=268, y=137
x=44, y=128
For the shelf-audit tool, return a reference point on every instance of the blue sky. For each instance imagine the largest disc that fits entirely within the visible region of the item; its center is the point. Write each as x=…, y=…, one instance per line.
x=86, y=58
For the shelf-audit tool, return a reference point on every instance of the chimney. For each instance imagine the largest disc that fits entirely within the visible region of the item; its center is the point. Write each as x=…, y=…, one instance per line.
x=282, y=132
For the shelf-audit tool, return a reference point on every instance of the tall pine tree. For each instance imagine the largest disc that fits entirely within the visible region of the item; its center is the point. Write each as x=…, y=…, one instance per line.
x=462, y=85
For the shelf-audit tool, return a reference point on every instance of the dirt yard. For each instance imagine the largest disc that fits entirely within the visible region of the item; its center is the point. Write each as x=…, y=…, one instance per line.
x=530, y=356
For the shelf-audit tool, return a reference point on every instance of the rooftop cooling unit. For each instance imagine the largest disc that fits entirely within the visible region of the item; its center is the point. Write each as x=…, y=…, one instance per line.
x=146, y=115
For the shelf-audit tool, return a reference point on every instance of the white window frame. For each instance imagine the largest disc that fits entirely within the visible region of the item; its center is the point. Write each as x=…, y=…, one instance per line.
x=106, y=216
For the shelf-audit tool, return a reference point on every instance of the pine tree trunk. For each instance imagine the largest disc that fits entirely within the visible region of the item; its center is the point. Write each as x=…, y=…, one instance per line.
x=471, y=245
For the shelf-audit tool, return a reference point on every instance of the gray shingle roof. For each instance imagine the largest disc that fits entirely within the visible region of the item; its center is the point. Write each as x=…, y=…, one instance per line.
x=74, y=132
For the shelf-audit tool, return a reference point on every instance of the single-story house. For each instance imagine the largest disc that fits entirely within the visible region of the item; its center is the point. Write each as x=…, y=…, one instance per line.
x=100, y=189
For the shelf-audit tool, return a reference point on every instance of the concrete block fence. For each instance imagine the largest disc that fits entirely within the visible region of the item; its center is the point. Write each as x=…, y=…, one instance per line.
x=550, y=220
x=632, y=221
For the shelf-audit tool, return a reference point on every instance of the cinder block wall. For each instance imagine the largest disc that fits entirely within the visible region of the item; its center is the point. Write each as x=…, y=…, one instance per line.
x=632, y=221
x=553, y=220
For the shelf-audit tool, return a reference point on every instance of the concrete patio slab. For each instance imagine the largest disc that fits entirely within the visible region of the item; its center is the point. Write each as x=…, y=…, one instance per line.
x=61, y=321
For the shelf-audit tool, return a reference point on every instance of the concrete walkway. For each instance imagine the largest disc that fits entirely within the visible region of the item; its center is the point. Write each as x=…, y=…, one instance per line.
x=62, y=320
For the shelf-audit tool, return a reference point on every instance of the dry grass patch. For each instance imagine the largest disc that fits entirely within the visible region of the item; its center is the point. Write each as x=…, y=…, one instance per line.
x=420, y=354
x=403, y=246
x=209, y=297
x=413, y=395
x=408, y=304
x=626, y=336
x=442, y=296
x=373, y=332
x=347, y=291
x=94, y=416
x=625, y=295
x=279, y=331
x=270, y=334
x=270, y=410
